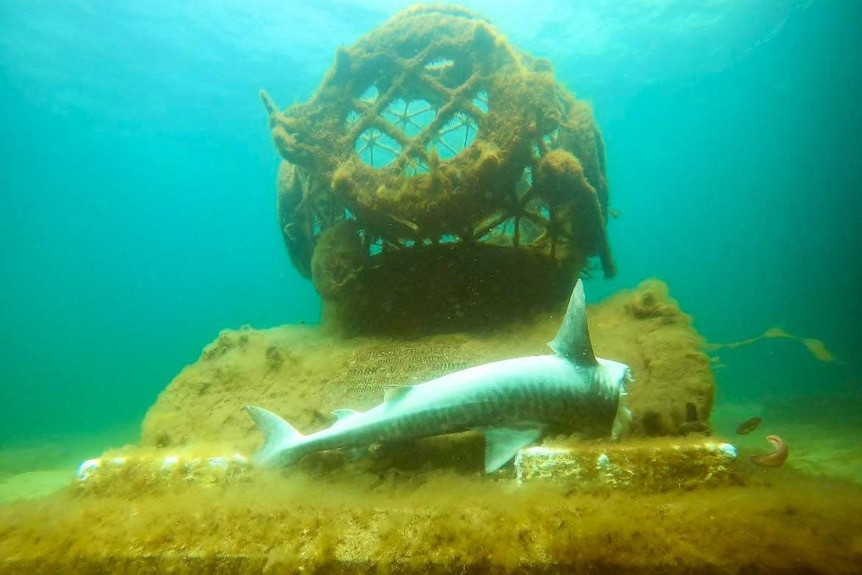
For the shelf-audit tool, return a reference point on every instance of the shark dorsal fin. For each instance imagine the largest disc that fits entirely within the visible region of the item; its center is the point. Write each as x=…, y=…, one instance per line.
x=573, y=338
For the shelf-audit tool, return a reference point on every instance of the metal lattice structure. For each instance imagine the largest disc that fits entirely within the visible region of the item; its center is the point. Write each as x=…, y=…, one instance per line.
x=433, y=140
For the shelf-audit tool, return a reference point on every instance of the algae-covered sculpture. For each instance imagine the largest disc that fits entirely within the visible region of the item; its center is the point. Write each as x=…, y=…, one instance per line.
x=440, y=175
x=514, y=402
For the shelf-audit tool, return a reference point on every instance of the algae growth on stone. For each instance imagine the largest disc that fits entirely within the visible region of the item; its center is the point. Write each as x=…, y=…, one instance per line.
x=306, y=372
x=440, y=177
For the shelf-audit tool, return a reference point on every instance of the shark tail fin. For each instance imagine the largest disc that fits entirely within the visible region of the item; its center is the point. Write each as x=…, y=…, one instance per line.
x=282, y=441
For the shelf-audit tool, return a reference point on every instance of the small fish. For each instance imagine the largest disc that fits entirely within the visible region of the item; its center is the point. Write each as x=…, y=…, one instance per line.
x=748, y=426
x=774, y=459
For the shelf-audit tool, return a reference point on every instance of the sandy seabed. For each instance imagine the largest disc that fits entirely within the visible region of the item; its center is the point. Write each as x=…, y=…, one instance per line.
x=805, y=517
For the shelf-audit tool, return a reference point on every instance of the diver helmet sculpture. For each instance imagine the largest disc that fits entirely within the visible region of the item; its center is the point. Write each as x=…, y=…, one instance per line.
x=439, y=177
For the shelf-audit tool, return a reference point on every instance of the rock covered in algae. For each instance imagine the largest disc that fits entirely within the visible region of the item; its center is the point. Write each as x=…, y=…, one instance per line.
x=305, y=372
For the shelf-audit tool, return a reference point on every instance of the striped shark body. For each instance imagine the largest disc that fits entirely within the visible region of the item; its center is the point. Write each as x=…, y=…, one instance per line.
x=513, y=402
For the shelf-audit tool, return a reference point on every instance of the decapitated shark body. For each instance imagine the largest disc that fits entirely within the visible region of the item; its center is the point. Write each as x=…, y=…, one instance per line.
x=514, y=402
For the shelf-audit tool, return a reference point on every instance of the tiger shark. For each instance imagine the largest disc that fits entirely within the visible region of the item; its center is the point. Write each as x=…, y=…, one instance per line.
x=514, y=403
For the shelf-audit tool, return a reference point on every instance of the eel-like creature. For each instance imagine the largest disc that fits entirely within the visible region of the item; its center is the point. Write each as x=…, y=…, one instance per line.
x=512, y=402
x=774, y=459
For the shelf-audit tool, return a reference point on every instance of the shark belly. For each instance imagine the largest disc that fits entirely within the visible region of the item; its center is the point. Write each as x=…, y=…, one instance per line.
x=541, y=392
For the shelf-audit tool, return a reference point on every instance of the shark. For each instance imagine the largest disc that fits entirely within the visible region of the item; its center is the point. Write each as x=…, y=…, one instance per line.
x=513, y=402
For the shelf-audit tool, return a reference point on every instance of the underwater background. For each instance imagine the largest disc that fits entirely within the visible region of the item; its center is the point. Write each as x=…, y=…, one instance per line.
x=137, y=183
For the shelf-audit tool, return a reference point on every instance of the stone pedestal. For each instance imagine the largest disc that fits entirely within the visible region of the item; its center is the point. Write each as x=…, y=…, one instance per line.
x=303, y=373
x=186, y=500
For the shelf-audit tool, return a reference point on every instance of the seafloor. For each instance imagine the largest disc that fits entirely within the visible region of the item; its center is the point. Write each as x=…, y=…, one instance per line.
x=803, y=518
x=392, y=512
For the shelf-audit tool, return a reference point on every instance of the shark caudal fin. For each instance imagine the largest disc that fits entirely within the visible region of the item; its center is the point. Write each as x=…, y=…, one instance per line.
x=573, y=337
x=281, y=440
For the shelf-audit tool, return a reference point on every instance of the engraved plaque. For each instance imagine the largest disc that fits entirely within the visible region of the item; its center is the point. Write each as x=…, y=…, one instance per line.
x=371, y=370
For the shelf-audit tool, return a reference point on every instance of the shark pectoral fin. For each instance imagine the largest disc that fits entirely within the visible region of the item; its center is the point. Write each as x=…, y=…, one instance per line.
x=503, y=443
